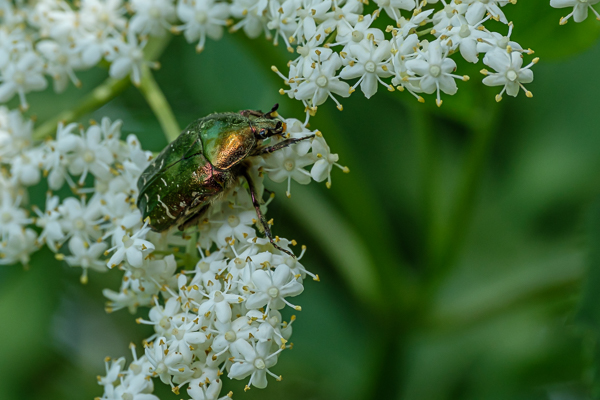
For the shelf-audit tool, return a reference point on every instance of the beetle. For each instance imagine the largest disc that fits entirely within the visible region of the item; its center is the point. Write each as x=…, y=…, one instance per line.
x=203, y=163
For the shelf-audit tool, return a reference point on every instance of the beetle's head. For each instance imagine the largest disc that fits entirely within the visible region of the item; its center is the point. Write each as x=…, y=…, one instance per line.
x=268, y=128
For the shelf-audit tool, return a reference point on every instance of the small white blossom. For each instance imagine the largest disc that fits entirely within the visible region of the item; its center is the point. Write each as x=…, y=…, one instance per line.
x=201, y=18
x=322, y=83
x=510, y=72
x=152, y=17
x=370, y=62
x=580, y=9
x=22, y=77
x=433, y=71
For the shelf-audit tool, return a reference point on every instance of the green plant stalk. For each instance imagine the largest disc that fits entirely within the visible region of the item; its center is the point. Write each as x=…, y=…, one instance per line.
x=428, y=166
x=453, y=236
x=159, y=105
x=100, y=95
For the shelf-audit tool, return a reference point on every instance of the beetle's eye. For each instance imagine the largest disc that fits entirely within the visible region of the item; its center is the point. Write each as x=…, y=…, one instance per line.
x=262, y=134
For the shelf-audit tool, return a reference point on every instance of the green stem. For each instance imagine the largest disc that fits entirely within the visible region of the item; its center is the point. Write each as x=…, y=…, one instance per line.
x=428, y=167
x=424, y=32
x=101, y=95
x=453, y=237
x=159, y=105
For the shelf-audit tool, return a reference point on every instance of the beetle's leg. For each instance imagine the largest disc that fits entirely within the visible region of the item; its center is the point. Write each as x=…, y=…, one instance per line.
x=193, y=220
x=260, y=215
x=279, y=146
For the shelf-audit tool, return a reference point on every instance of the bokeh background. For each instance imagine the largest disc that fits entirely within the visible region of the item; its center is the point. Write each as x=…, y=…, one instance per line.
x=458, y=260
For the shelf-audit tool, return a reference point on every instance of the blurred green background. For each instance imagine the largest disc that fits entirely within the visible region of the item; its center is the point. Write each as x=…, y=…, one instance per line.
x=460, y=258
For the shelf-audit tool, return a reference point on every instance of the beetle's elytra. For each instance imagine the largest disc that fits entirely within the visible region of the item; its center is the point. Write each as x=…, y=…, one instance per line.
x=205, y=160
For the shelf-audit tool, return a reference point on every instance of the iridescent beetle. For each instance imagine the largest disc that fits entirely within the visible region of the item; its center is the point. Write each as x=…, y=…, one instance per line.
x=206, y=160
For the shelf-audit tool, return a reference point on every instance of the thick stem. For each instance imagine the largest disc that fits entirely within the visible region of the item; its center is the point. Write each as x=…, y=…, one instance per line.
x=429, y=168
x=159, y=105
x=101, y=95
x=453, y=236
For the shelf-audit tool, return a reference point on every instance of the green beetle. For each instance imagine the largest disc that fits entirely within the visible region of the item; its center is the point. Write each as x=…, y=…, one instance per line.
x=206, y=160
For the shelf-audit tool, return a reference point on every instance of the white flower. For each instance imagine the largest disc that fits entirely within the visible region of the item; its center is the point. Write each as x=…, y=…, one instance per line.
x=152, y=17
x=22, y=77
x=445, y=17
x=251, y=17
x=133, y=387
x=52, y=233
x=254, y=360
x=60, y=63
x=25, y=168
x=127, y=57
x=227, y=333
x=272, y=287
x=132, y=248
x=15, y=132
x=102, y=15
x=201, y=18
x=18, y=247
x=286, y=164
x=580, y=9
x=12, y=218
x=510, y=72
x=494, y=40
x=57, y=155
x=218, y=302
x=393, y=7
x=434, y=70
x=91, y=156
x=370, y=62
x=86, y=256
x=282, y=19
x=346, y=33
x=165, y=363
x=309, y=15
x=235, y=223
x=79, y=219
x=296, y=129
x=113, y=370
x=478, y=8
x=322, y=83
x=466, y=38
x=321, y=170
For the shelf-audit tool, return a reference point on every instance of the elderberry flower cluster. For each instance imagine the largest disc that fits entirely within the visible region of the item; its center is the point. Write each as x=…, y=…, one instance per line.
x=340, y=48
x=54, y=38
x=214, y=292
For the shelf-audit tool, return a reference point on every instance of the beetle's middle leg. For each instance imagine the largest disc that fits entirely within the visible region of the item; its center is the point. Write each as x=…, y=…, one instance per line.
x=260, y=215
x=193, y=220
x=279, y=146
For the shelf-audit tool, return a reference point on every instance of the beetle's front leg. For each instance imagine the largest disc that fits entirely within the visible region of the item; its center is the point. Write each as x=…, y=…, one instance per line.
x=279, y=146
x=261, y=217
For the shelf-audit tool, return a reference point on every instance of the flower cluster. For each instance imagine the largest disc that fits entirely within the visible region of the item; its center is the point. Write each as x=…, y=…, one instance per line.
x=215, y=305
x=214, y=291
x=397, y=58
x=52, y=38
